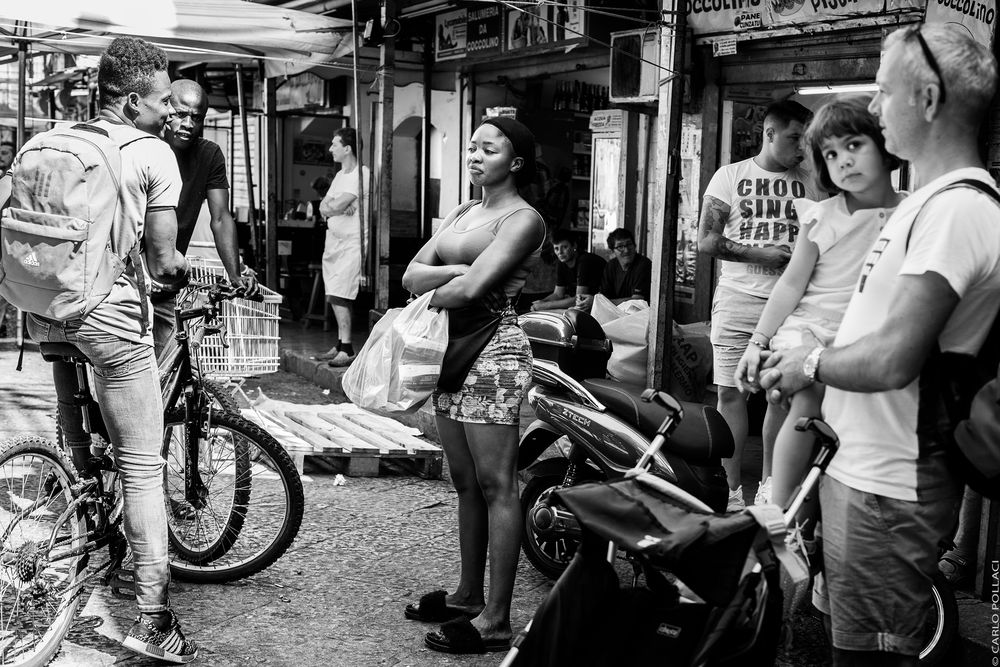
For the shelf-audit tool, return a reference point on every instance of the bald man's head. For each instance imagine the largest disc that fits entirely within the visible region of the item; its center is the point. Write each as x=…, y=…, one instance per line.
x=190, y=104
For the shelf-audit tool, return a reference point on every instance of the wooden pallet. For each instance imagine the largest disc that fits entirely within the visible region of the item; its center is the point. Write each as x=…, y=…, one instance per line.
x=355, y=443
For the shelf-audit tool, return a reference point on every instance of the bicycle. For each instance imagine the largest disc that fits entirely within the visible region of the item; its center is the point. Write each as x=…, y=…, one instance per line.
x=236, y=512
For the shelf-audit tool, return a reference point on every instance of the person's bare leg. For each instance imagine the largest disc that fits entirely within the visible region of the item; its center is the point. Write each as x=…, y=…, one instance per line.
x=793, y=449
x=774, y=418
x=494, y=450
x=733, y=407
x=342, y=313
x=958, y=564
x=332, y=352
x=472, y=517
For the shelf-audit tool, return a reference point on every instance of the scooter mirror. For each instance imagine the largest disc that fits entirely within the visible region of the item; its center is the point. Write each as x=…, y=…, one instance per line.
x=671, y=404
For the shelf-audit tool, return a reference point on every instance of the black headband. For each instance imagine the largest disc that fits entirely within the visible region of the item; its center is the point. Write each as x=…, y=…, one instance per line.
x=522, y=140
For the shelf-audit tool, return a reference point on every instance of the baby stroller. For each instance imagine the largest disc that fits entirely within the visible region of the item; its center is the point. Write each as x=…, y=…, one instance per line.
x=712, y=592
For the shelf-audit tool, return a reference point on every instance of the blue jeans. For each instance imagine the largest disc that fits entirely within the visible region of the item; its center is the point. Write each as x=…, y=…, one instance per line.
x=128, y=391
x=163, y=325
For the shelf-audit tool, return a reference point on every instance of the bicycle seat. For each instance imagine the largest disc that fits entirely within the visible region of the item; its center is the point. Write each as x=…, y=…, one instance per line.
x=62, y=352
x=702, y=435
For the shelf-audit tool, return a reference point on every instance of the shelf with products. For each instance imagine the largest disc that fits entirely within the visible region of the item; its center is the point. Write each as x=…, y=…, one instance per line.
x=579, y=98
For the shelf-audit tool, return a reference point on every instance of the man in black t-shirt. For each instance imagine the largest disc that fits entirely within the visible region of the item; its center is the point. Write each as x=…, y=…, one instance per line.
x=629, y=275
x=203, y=175
x=578, y=276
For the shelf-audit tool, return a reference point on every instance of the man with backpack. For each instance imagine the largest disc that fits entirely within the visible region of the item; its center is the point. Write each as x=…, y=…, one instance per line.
x=108, y=185
x=923, y=306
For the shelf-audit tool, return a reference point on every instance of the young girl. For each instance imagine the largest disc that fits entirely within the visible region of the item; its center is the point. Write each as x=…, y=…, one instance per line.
x=836, y=235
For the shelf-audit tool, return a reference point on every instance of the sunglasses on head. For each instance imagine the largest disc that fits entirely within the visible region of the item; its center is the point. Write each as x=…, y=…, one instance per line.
x=914, y=31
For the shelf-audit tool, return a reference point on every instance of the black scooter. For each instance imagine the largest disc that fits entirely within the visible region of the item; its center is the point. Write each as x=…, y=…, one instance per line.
x=608, y=426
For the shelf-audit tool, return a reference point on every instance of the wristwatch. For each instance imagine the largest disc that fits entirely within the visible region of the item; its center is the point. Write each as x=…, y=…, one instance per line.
x=810, y=365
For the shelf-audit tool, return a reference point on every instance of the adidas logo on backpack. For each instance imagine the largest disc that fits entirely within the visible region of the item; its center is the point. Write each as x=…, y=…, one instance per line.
x=63, y=239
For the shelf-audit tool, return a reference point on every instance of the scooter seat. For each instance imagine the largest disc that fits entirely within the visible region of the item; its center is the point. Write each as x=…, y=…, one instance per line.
x=702, y=435
x=61, y=352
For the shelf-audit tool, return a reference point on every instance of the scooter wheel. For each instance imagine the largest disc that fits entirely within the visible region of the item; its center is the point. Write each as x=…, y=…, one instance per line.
x=549, y=554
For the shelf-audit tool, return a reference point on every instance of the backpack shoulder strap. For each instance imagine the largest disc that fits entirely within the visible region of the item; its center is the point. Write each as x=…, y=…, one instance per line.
x=972, y=183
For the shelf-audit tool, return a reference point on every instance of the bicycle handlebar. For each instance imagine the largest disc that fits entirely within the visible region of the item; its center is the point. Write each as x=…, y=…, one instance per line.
x=196, y=337
x=218, y=292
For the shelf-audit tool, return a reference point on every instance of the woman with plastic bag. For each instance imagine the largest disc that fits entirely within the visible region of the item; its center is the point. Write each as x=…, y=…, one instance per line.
x=478, y=262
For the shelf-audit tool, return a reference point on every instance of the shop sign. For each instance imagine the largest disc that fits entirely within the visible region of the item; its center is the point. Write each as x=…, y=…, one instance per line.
x=501, y=112
x=606, y=120
x=541, y=24
x=796, y=12
x=567, y=20
x=978, y=16
x=484, y=31
x=711, y=16
x=724, y=47
x=734, y=16
x=450, y=31
x=525, y=28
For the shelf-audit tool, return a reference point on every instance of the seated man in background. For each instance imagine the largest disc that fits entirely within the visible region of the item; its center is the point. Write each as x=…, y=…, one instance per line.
x=578, y=275
x=629, y=275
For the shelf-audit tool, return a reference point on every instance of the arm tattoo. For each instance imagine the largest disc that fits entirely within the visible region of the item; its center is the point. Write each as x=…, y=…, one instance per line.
x=715, y=214
x=730, y=250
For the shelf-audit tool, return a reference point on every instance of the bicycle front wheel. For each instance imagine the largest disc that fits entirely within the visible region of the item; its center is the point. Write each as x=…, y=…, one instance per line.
x=40, y=584
x=249, y=509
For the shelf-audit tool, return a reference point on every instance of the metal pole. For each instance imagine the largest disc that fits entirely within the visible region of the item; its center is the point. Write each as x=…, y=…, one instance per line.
x=365, y=238
x=425, y=144
x=252, y=213
x=664, y=245
x=22, y=89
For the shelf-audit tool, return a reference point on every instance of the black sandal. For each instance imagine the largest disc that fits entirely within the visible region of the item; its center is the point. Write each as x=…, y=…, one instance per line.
x=459, y=636
x=432, y=608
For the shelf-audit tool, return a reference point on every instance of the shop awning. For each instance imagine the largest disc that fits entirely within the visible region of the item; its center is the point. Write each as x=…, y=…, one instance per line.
x=286, y=40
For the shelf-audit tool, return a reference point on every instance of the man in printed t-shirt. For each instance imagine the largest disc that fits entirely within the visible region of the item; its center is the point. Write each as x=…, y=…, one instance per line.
x=931, y=282
x=748, y=223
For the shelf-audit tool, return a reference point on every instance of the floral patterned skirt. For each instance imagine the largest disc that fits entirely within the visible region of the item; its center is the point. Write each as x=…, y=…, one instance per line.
x=496, y=383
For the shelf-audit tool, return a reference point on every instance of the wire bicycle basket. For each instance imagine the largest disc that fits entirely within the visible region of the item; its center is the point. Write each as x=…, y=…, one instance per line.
x=250, y=345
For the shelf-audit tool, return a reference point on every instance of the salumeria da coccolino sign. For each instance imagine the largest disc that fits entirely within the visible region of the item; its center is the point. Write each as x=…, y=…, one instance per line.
x=707, y=17
x=485, y=31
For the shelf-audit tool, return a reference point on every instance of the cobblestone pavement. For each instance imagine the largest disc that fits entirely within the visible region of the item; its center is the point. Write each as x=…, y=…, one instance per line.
x=364, y=551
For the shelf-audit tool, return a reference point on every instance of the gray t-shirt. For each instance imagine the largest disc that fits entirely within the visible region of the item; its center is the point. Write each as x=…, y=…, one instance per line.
x=150, y=179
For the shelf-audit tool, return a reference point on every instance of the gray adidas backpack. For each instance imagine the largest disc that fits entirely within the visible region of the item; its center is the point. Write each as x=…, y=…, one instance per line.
x=63, y=237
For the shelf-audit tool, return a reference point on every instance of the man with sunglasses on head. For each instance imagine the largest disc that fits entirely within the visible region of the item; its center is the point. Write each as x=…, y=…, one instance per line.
x=628, y=275
x=203, y=176
x=930, y=285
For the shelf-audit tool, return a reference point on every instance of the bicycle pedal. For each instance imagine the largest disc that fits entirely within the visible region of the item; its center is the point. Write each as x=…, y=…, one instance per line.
x=122, y=583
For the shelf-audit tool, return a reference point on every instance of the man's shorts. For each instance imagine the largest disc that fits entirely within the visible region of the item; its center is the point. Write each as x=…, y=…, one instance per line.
x=879, y=556
x=734, y=318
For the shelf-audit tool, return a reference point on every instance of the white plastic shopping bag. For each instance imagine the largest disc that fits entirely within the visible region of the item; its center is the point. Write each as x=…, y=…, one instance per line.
x=399, y=365
x=625, y=325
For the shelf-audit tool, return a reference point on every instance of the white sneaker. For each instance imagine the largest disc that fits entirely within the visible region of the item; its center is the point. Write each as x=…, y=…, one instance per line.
x=736, y=502
x=763, y=496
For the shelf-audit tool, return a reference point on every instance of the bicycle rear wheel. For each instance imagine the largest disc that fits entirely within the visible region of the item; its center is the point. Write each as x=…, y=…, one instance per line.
x=39, y=585
x=252, y=507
